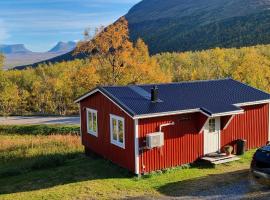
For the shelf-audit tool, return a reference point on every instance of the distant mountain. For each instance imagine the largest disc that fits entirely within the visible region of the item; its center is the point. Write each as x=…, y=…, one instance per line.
x=63, y=47
x=60, y=58
x=183, y=25
x=13, y=49
x=18, y=55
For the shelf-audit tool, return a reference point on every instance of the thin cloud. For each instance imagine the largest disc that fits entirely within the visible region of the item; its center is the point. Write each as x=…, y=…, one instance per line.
x=39, y=22
x=3, y=32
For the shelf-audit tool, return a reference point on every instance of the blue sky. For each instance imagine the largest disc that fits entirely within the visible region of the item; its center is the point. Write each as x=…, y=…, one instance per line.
x=40, y=24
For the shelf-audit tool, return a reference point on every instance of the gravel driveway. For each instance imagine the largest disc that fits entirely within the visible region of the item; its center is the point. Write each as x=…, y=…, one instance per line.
x=19, y=120
x=231, y=186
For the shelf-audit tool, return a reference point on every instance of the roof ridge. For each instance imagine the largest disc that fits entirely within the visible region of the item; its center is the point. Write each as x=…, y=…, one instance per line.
x=245, y=84
x=172, y=83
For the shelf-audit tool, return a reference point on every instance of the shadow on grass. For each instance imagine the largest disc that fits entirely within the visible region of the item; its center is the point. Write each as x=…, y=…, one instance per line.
x=235, y=184
x=57, y=169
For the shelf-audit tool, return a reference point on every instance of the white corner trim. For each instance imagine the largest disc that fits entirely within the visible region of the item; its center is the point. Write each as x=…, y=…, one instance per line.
x=117, y=143
x=136, y=144
x=228, y=122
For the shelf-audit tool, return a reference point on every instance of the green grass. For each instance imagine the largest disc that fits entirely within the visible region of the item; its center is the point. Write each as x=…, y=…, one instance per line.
x=54, y=167
x=40, y=129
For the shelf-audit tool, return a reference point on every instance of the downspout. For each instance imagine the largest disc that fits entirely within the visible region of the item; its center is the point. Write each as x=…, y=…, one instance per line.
x=160, y=130
x=164, y=125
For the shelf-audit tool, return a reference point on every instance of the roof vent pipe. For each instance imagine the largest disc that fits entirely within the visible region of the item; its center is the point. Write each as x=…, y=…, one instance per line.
x=154, y=94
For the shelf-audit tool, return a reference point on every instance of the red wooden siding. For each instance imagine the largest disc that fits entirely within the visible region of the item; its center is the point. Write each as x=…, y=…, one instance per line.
x=183, y=143
x=224, y=121
x=251, y=126
x=101, y=144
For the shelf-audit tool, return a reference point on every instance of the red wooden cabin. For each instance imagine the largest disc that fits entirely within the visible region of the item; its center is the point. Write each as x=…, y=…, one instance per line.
x=151, y=127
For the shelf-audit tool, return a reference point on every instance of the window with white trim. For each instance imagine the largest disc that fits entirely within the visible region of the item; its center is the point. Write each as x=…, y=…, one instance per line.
x=117, y=130
x=212, y=125
x=92, y=125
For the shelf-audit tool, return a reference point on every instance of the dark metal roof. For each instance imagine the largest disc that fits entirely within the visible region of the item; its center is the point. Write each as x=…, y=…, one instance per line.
x=212, y=97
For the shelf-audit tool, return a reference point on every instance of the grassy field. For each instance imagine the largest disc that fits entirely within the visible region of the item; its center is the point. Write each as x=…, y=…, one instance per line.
x=54, y=167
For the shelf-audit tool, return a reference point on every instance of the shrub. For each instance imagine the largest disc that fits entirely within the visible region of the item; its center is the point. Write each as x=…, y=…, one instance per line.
x=40, y=129
x=48, y=161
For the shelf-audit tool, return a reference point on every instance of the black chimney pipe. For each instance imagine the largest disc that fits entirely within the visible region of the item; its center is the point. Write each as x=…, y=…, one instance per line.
x=154, y=94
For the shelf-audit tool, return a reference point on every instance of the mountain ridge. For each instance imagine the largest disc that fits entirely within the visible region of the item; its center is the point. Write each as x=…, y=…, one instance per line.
x=180, y=25
x=63, y=47
x=14, y=48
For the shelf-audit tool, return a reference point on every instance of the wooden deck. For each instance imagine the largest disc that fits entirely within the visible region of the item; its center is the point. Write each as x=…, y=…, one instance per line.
x=219, y=158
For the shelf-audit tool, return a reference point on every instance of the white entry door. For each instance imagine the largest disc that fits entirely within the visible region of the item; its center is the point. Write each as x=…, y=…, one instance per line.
x=212, y=136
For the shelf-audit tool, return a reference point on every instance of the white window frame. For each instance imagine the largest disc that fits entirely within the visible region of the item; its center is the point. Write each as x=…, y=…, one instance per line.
x=92, y=111
x=116, y=142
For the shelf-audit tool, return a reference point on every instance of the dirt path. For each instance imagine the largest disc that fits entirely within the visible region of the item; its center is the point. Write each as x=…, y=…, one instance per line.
x=19, y=120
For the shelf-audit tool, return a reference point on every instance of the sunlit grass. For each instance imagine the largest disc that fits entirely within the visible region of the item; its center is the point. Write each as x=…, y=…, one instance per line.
x=55, y=167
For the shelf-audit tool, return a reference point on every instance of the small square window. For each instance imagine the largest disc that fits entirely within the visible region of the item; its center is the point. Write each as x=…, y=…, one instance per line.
x=92, y=125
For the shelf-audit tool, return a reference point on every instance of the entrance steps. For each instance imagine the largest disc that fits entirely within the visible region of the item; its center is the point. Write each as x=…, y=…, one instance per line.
x=219, y=158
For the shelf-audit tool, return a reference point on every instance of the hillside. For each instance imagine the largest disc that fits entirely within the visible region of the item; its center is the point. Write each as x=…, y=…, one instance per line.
x=180, y=25
x=19, y=55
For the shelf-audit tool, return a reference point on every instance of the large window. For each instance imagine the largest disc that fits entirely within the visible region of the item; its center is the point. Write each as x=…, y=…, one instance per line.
x=117, y=129
x=92, y=126
x=212, y=125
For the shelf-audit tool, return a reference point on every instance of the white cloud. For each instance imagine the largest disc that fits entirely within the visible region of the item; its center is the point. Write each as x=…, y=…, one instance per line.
x=3, y=31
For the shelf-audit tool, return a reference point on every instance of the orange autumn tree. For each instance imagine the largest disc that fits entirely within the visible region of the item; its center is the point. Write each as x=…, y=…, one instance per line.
x=117, y=60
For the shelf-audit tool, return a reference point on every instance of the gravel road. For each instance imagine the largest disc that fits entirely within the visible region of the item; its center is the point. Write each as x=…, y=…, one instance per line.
x=239, y=187
x=19, y=120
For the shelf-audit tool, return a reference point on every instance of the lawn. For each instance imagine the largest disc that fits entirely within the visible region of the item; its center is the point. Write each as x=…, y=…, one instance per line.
x=54, y=167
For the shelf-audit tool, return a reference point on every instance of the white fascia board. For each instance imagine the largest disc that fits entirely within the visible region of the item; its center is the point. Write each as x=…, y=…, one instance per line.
x=252, y=103
x=166, y=113
x=86, y=95
x=98, y=90
x=199, y=110
x=228, y=113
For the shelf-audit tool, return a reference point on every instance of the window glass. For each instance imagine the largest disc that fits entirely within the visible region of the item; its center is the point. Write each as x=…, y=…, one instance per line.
x=90, y=121
x=121, y=131
x=117, y=131
x=92, y=124
x=212, y=125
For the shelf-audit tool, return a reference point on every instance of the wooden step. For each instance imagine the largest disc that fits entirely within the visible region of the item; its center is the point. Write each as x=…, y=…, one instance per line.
x=217, y=158
x=231, y=159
